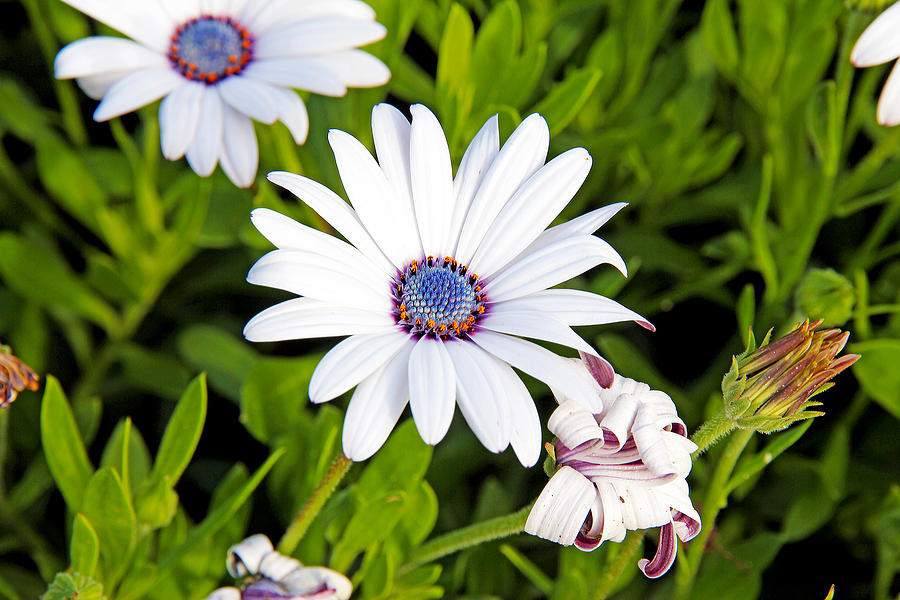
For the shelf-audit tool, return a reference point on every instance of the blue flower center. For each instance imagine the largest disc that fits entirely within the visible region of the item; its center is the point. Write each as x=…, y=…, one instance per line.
x=210, y=48
x=438, y=297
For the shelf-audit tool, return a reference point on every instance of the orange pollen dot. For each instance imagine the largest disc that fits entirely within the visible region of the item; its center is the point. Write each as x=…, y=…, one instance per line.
x=429, y=323
x=418, y=322
x=479, y=310
x=402, y=308
x=182, y=63
x=173, y=47
x=192, y=66
x=246, y=43
x=232, y=58
x=441, y=328
x=212, y=77
x=229, y=70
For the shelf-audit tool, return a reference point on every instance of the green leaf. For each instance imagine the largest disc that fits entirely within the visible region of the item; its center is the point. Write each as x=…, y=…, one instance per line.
x=821, y=114
x=84, y=549
x=67, y=178
x=44, y=278
x=20, y=113
x=225, y=359
x=773, y=450
x=877, y=371
x=717, y=30
x=527, y=568
x=73, y=586
x=155, y=372
x=63, y=448
x=156, y=503
x=455, y=51
x=399, y=465
x=420, y=516
x=274, y=395
x=496, y=44
x=182, y=433
x=108, y=509
x=127, y=453
x=370, y=524
x=567, y=98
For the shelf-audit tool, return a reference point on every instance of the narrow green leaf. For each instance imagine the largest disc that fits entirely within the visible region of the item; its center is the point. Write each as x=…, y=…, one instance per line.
x=182, y=433
x=877, y=372
x=527, y=568
x=222, y=356
x=455, y=51
x=63, y=448
x=773, y=450
x=274, y=395
x=566, y=99
x=127, y=453
x=108, y=509
x=717, y=30
x=372, y=523
x=85, y=547
x=399, y=465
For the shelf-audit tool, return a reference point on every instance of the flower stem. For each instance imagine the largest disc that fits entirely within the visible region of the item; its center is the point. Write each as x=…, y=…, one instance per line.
x=472, y=535
x=298, y=527
x=603, y=586
x=717, y=426
x=716, y=498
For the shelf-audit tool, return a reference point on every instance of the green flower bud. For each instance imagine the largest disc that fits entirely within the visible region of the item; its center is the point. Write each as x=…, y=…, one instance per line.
x=825, y=294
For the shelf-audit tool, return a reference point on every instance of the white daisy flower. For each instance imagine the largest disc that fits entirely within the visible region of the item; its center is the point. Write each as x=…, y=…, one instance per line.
x=878, y=44
x=622, y=466
x=439, y=276
x=217, y=64
x=270, y=574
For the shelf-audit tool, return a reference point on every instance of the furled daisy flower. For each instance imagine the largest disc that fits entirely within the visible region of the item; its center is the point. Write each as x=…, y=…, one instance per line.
x=439, y=276
x=217, y=64
x=15, y=376
x=878, y=44
x=620, y=467
x=270, y=575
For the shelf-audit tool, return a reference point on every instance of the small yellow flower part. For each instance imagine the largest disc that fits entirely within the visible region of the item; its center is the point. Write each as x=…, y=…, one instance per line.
x=15, y=376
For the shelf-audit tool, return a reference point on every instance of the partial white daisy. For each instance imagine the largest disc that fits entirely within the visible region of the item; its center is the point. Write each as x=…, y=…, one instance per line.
x=439, y=276
x=217, y=64
x=621, y=467
x=878, y=44
x=270, y=574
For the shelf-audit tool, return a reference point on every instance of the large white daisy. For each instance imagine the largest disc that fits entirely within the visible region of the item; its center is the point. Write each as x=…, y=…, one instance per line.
x=439, y=276
x=217, y=64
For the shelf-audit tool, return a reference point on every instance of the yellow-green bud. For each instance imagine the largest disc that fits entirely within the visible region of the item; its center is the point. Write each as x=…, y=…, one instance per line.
x=825, y=294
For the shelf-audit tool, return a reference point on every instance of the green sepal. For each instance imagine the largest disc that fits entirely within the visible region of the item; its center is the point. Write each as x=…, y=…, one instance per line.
x=73, y=586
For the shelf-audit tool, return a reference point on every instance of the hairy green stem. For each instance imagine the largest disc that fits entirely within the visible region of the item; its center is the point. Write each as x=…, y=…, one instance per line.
x=472, y=535
x=714, y=428
x=298, y=527
x=715, y=500
x=603, y=586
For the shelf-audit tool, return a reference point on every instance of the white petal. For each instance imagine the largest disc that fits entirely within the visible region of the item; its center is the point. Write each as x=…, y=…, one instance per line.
x=292, y=112
x=480, y=395
x=537, y=325
x=96, y=86
x=303, y=318
x=587, y=223
x=390, y=130
x=521, y=155
x=352, y=361
x=240, y=154
x=432, y=389
x=331, y=279
x=101, y=54
x=474, y=164
x=179, y=115
x=244, y=557
x=354, y=68
x=203, y=152
x=432, y=180
x=141, y=21
x=888, y=112
x=538, y=362
x=260, y=17
x=336, y=212
x=531, y=209
x=317, y=36
x=297, y=72
x=375, y=407
x=225, y=593
x=277, y=566
x=562, y=507
x=249, y=97
x=550, y=265
x=525, y=424
x=574, y=424
x=879, y=42
x=180, y=11
x=375, y=200
x=312, y=582
x=136, y=90
x=573, y=307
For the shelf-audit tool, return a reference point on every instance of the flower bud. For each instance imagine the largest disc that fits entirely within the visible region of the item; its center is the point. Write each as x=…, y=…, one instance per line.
x=770, y=387
x=15, y=376
x=825, y=294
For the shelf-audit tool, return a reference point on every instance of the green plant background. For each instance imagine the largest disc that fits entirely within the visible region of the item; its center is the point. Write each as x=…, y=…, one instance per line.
x=761, y=191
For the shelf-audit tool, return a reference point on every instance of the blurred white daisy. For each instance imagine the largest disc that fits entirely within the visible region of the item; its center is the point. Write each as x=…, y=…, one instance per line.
x=622, y=465
x=217, y=64
x=878, y=44
x=270, y=574
x=439, y=276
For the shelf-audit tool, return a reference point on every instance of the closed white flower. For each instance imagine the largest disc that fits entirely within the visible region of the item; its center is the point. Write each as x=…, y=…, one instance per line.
x=440, y=275
x=217, y=64
x=271, y=575
x=622, y=466
x=878, y=44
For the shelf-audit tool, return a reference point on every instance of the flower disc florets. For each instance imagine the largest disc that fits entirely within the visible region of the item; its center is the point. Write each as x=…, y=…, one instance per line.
x=210, y=48
x=438, y=296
